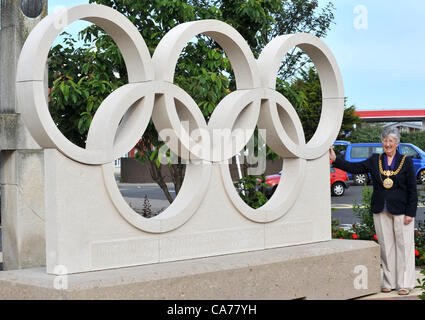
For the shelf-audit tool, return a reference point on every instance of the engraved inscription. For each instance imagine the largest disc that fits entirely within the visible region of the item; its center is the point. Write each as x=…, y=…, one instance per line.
x=296, y=232
x=213, y=242
x=124, y=252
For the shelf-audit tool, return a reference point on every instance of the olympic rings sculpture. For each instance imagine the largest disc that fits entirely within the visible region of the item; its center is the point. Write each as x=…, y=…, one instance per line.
x=124, y=115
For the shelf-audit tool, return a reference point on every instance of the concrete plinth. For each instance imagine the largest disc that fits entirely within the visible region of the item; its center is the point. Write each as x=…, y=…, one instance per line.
x=21, y=158
x=22, y=209
x=336, y=269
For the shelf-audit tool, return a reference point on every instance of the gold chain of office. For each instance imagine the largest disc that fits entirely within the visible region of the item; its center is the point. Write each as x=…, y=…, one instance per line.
x=388, y=183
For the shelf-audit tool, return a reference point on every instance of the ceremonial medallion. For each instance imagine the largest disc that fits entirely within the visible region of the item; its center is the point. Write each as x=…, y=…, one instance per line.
x=388, y=183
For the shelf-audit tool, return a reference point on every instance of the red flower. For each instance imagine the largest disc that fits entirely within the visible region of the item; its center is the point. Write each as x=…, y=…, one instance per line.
x=375, y=237
x=355, y=236
x=416, y=252
x=341, y=238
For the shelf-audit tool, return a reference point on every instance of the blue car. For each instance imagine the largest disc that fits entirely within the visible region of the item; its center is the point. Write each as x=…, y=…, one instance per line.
x=356, y=152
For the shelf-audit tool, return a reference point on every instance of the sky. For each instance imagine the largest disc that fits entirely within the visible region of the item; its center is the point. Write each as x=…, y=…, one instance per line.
x=380, y=57
x=379, y=46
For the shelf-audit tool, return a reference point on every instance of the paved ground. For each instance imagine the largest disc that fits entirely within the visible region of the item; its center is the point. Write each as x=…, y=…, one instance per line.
x=134, y=195
x=342, y=206
x=393, y=295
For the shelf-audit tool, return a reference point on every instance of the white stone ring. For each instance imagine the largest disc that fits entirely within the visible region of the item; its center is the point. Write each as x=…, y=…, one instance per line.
x=285, y=134
x=123, y=116
x=279, y=137
x=31, y=74
x=141, y=68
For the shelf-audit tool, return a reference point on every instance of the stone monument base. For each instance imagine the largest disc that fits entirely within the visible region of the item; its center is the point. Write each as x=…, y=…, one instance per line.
x=336, y=269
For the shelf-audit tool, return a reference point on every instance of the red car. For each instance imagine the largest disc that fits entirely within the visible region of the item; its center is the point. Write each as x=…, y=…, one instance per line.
x=339, y=182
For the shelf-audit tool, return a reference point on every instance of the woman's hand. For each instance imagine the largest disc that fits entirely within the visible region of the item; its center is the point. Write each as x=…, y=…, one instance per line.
x=332, y=155
x=407, y=220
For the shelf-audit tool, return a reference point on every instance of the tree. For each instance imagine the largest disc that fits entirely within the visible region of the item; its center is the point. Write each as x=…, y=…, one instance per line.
x=372, y=133
x=416, y=138
x=80, y=80
x=85, y=75
x=366, y=133
x=305, y=94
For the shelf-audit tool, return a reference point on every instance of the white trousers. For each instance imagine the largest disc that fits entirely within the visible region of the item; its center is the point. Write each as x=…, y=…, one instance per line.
x=397, y=243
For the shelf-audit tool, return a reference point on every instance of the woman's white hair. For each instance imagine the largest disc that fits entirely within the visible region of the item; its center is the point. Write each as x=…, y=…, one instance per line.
x=391, y=132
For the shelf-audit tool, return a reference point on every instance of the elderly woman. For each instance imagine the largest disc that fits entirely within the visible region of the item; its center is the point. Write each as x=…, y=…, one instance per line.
x=394, y=203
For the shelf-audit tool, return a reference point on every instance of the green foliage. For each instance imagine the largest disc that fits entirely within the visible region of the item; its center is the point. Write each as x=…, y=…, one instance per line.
x=422, y=285
x=79, y=81
x=340, y=233
x=366, y=133
x=416, y=138
x=372, y=133
x=420, y=233
x=261, y=21
x=349, y=120
x=365, y=230
x=85, y=75
x=305, y=94
x=251, y=189
x=146, y=210
x=81, y=77
x=420, y=244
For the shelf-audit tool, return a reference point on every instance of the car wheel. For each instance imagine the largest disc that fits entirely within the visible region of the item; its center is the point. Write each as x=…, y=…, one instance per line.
x=360, y=179
x=421, y=177
x=338, y=189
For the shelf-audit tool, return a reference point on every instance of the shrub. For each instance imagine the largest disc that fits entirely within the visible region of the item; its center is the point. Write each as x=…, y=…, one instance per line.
x=340, y=233
x=416, y=138
x=365, y=230
x=422, y=286
x=252, y=190
x=420, y=245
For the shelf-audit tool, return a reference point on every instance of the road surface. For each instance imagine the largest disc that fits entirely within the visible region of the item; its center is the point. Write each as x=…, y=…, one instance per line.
x=342, y=206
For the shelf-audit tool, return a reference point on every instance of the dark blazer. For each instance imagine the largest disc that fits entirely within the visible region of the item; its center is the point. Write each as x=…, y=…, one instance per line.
x=402, y=198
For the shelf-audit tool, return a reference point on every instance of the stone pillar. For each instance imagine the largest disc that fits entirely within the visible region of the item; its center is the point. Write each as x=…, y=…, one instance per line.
x=21, y=159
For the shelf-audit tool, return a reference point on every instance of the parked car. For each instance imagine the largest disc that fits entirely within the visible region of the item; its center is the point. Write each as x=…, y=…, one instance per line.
x=340, y=147
x=339, y=182
x=356, y=152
